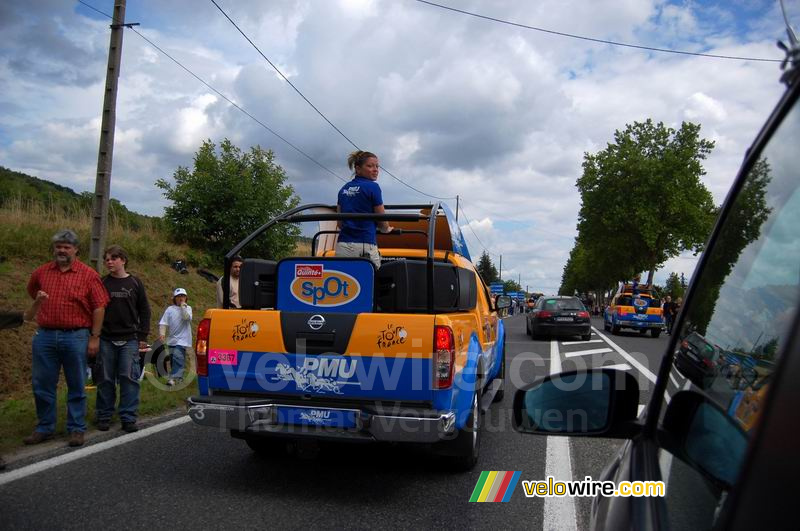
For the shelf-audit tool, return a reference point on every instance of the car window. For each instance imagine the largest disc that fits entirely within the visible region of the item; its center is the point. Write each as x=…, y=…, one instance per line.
x=563, y=305
x=625, y=300
x=736, y=327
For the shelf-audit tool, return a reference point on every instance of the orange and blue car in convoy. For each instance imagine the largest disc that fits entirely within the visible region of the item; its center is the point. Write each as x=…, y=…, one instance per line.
x=634, y=307
x=325, y=347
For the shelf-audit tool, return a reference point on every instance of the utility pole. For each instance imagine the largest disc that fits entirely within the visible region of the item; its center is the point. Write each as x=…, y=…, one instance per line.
x=501, y=267
x=102, y=185
x=456, y=207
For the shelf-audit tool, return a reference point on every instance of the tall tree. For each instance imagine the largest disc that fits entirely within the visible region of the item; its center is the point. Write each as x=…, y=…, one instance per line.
x=642, y=198
x=487, y=269
x=226, y=197
x=673, y=286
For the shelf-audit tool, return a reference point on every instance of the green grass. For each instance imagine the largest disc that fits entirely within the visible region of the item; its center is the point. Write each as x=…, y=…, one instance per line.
x=18, y=415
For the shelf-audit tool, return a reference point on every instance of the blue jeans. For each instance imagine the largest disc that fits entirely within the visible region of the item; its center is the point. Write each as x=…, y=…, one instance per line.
x=118, y=363
x=178, y=355
x=53, y=349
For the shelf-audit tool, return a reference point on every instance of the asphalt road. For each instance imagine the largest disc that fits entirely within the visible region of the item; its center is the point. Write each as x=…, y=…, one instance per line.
x=188, y=477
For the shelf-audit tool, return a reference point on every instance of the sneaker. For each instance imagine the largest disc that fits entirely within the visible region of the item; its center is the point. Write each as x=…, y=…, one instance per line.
x=130, y=427
x=170, y=382
x=75, y=438
x=103, y=425
x=37, y=437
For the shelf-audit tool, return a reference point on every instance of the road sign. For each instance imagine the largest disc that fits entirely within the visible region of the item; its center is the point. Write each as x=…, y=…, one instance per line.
x=496, y=288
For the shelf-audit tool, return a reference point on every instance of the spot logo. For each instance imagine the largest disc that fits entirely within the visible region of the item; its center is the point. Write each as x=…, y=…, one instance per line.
x=328, y=289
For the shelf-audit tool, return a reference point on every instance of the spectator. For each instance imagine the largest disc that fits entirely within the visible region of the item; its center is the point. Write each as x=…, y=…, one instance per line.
x=361, y=195
x=233, y=294
x=676, y=308
x=177, y=320
x=70, y=320
x=15, y=319
x=666, y=311
x=125, y=329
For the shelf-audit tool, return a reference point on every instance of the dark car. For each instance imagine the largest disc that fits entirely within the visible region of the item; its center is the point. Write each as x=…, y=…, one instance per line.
x=559, y=316
x=723, y=463
x=697, y=359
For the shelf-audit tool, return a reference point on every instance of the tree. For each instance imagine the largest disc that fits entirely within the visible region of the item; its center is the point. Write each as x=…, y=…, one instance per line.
x=487, y=269
x=511, y=286
x=642, y=200
x=228, y=196
x=674, y=287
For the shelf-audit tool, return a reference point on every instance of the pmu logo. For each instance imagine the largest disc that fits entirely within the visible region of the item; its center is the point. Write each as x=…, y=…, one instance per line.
x=329, y=289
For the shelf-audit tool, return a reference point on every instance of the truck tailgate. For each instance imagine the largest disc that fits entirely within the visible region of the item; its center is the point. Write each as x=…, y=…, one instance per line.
x=358, y=356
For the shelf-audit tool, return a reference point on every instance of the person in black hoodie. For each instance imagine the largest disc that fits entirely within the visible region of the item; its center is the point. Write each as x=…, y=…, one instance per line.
x=125, y=329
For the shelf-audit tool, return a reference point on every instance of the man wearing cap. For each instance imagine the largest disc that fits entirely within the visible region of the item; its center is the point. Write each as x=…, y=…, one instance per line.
x=70, y=321
x=177, y=319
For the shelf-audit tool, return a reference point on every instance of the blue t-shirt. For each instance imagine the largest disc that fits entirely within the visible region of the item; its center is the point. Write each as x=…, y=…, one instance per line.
x=359, y=195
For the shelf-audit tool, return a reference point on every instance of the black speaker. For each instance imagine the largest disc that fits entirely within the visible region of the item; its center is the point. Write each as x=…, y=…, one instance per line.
x=257, y=284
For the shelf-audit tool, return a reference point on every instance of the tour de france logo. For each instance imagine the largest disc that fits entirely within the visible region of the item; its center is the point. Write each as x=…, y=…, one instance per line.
x=391, y=336
x=244, y=330
x=314, y=285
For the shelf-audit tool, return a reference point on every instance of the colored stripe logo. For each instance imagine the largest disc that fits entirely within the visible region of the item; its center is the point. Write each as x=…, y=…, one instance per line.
x=495, y=486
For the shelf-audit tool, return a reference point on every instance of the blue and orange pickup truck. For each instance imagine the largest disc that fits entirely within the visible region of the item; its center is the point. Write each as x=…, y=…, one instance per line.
x=635, y=308
x=333, y=348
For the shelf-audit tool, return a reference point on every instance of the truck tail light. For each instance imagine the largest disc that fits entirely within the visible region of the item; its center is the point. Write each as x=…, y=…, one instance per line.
x=201, y=347
x=444, y=357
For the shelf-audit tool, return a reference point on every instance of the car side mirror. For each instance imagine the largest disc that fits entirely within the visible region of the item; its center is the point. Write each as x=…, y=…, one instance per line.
x=503, y=301
x=595, y=403
x=701, y=433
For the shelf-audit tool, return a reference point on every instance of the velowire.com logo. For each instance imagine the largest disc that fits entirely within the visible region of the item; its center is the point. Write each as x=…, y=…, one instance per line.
x=494, y=486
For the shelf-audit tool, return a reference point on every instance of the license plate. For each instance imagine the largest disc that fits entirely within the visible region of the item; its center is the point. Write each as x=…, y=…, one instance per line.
x=312, y=416
x=564, y=319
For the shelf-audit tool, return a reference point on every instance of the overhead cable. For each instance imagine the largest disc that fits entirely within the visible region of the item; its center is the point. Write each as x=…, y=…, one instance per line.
x=592, y=39
x=314, y=106
x=223, y=96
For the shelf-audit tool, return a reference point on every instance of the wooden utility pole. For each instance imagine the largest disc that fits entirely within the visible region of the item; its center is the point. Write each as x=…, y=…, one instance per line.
x=501, y=267
x=102, y=185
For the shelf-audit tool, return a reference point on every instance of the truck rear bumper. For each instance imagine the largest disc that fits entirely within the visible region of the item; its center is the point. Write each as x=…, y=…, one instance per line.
x=261, y=417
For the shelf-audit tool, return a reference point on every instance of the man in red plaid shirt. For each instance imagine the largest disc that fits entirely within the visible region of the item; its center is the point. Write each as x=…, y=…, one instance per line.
x=70, y=321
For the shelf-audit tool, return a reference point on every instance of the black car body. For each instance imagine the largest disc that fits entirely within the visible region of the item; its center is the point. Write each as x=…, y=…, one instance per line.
x=697, y=359
x=725, y=464
x=559, y=316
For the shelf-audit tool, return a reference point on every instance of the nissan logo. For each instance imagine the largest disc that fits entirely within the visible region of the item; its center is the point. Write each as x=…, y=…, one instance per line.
x=316, y=322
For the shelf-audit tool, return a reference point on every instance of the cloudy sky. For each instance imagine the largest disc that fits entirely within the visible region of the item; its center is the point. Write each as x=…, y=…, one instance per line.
x=452, y=104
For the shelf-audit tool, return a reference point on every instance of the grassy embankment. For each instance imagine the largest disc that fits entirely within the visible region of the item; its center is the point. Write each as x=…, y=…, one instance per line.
x=25, y=232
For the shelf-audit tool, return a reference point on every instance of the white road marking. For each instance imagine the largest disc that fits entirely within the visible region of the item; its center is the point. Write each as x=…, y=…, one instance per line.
x=559, y=513
x=586, y=352
x=555, y=358
x=619, y=367
x=47, y=464
x=630, y=359
x=581, y=342
x=640, y=409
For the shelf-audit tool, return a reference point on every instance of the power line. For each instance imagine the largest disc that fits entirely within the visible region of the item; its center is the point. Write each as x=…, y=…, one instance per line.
x=469, y=224
x=592, y=39
x=223, y=96
x=312, y=105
